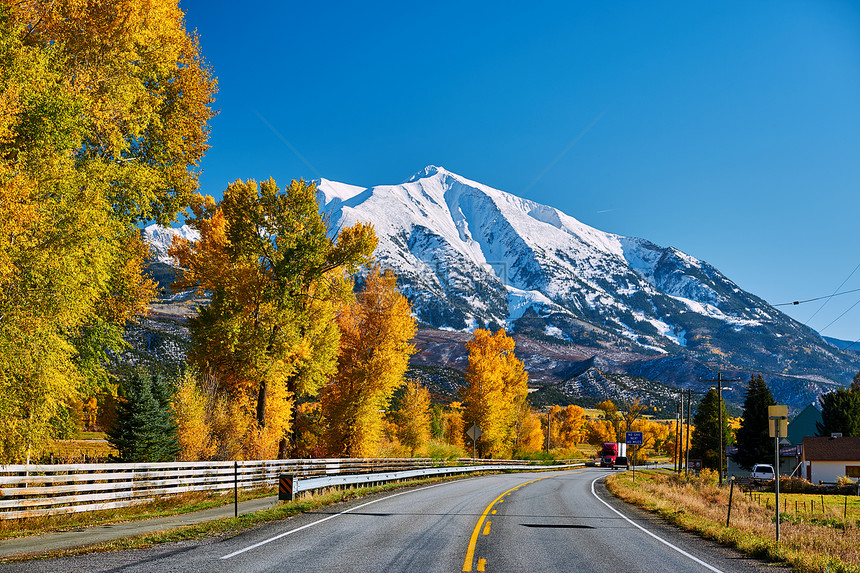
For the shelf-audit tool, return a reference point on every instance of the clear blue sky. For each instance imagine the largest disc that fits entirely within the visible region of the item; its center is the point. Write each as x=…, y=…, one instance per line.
x=730, y=130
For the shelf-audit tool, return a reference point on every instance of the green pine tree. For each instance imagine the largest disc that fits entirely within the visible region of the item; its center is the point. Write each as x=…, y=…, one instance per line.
x=840, y=411
x=705, y=440
x=753, y=438
x=145, y=430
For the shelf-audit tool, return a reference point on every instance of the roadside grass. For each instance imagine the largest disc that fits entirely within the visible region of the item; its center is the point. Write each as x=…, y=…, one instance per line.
x=78, y=451
x=807, y=543
x=84, y=447
x=228, y=527
x=161, y=507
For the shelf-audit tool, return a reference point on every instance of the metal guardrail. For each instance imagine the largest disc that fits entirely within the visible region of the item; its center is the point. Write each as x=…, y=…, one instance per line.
x=312, y=484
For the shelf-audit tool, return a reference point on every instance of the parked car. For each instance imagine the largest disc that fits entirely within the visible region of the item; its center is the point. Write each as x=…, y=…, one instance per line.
x=621, y=462
x=762, y=472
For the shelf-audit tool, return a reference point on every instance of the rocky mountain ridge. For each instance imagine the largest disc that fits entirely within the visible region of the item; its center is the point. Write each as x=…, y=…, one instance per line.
x=581, y=302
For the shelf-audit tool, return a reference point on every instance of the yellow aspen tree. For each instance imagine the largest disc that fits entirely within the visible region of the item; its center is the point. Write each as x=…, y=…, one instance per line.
x=453, y=425
x=144, y=93
x=555, y=421
x=309, y=428
x=192, y=413
x=613, y=416
x=530, y=438
x=572, y=420
x=413, y=418
x=275, y=278
x=98, y=130
x=372, y=359
x=497, y=386
x=599, y=431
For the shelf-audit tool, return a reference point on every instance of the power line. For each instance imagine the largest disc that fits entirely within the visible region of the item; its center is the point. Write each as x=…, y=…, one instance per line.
x=838, y=317
x=816, y=298
x=834, y=294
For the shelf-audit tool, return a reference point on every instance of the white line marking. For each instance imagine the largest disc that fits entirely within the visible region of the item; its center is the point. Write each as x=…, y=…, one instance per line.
x=290, y=532
x=660, y=539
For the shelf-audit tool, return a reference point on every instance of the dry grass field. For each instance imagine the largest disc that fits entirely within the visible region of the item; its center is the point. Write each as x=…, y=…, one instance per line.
x=826, y=538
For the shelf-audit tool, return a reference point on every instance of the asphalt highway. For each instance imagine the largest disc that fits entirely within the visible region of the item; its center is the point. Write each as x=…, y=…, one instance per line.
x=553, y=521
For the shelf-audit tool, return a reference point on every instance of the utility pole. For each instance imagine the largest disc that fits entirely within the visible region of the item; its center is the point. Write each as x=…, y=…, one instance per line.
x=689, y=421
x=719, y=382
x=678, y=418
x=548, y=429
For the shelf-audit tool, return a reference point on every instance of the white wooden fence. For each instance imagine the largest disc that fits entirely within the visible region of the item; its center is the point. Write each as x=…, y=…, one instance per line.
x=36, y=490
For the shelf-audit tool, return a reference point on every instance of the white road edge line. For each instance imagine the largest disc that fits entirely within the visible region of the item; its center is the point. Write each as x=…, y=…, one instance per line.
x=290, y=532
x=660, y=539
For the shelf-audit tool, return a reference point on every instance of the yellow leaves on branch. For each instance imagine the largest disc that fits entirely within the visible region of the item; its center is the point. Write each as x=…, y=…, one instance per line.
x=372, y=359
x=275, y=278
x=496, y=390
x=144, y=93
x=413, y=418
x=453, y=425
x=103, y=120
x=566, y=426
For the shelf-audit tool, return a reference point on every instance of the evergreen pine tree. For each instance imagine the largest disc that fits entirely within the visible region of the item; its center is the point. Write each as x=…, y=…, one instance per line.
x=705, y=440
x=145, y=430
x=840, y=411
x=753, y=438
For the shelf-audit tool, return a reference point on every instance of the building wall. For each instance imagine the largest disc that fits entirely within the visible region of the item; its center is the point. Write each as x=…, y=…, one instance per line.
x=829, y=472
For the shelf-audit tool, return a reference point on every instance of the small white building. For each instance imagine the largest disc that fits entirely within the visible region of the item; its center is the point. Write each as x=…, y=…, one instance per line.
x=826, y=459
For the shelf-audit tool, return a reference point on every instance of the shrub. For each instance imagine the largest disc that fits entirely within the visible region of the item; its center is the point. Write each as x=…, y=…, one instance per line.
x=443, y=451
x=796, y=485
x=843, y=481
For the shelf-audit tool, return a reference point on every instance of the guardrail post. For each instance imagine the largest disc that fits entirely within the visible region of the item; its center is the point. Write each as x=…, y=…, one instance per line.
x=285, y=487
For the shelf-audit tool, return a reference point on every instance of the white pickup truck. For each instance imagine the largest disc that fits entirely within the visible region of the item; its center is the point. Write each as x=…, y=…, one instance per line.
x=762, y=472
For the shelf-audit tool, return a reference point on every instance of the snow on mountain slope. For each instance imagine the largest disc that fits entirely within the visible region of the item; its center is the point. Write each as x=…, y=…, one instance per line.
x=449, y=237
x=468, y=255
x=159, y=239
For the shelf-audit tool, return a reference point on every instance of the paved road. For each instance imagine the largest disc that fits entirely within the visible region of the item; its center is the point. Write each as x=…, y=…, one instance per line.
x=559, y=521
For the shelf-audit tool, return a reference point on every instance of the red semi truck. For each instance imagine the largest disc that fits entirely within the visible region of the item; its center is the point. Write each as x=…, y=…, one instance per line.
x=611, y=451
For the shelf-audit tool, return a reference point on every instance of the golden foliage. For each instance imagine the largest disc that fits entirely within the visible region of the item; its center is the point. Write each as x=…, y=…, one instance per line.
x=599, y=431
x=413, y=418
x=372, y=359
x=567, y=426
x=192, y=413
x=275, y=278
x=103, y=111
x=215, y=424
x=143, y=91
x=496, y=390
x=530, y=435
x=453, y=425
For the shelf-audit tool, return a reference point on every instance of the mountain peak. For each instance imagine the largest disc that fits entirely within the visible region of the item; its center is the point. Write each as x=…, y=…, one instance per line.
x=428, y=171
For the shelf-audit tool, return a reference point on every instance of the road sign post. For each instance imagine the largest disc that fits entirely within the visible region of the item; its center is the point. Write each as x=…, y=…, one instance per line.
x=474, y=432
x=777, y=417
x=633, y=439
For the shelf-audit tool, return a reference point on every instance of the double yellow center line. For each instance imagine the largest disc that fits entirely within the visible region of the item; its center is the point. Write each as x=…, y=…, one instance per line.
x=470, y=552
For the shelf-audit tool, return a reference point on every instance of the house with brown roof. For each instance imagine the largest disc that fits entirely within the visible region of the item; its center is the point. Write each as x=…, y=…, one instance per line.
x=826, y=459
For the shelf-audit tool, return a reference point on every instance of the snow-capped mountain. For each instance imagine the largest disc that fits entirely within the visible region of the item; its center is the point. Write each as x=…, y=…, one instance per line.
x=468, y=255
x=594, y=312
x=159, y=239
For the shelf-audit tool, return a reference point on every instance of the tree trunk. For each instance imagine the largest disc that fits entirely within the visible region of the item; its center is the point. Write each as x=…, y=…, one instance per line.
x=261, y=404
x=288, y=445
